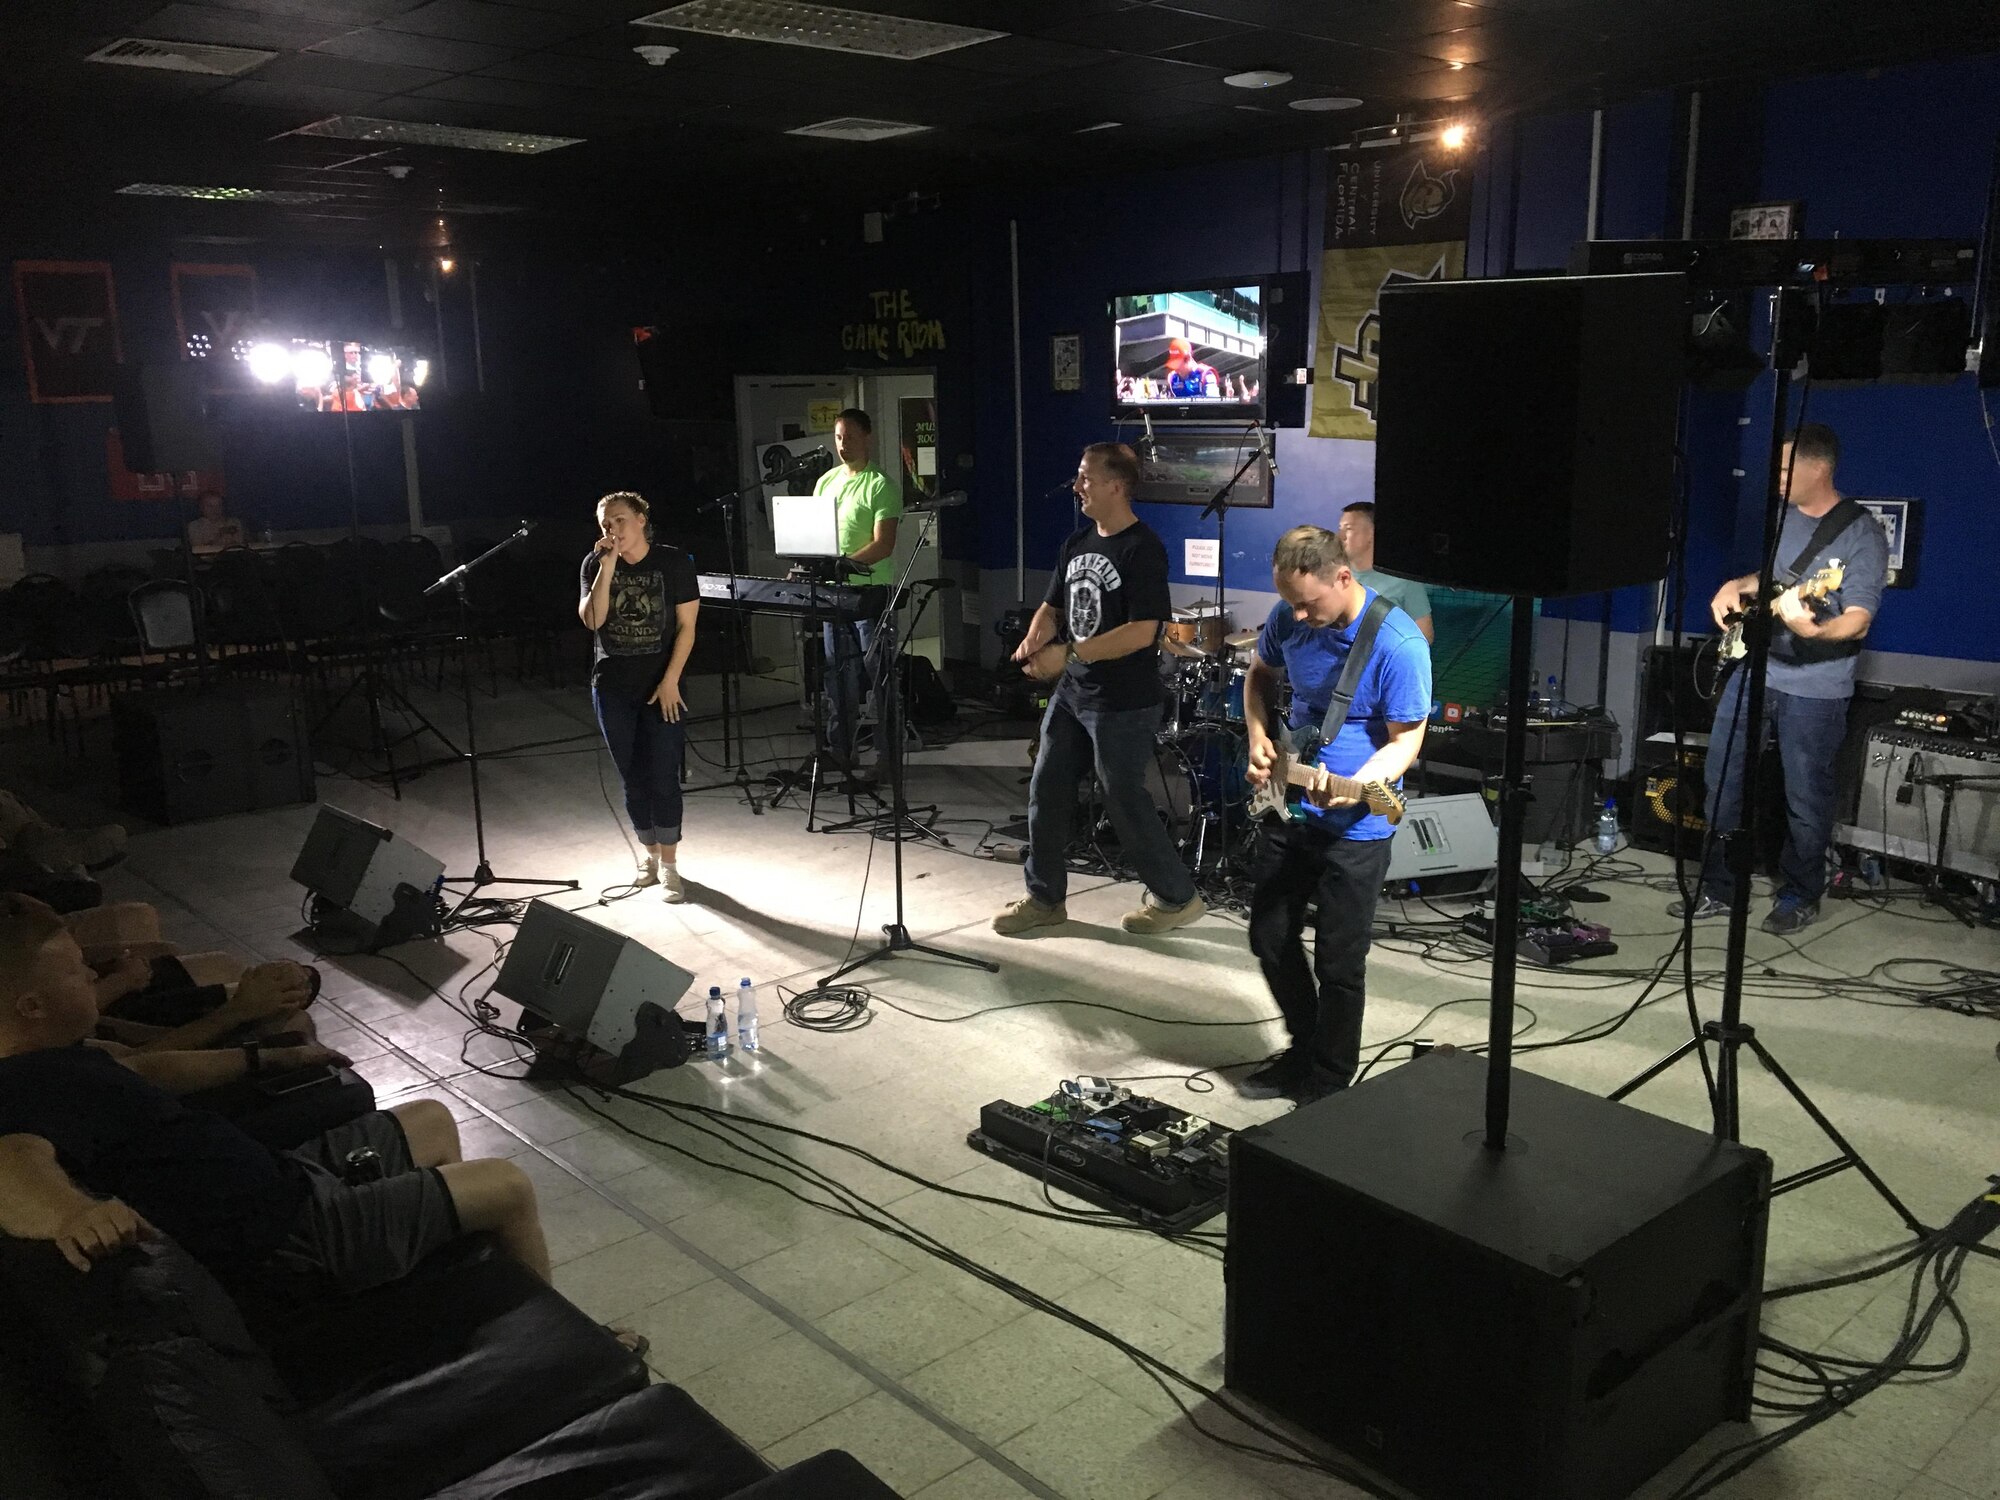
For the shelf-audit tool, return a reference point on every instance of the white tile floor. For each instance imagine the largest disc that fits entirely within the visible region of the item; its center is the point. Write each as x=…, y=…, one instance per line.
x=802, y=1330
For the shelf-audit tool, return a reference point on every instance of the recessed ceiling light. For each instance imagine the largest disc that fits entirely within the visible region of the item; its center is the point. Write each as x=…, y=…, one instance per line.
x=417, y=133
x=1102, y=125
x=223, y=194
x=1456, y=66
x=1325, y=102
x=1258, y=78
x=795, y=23
x=851, y=128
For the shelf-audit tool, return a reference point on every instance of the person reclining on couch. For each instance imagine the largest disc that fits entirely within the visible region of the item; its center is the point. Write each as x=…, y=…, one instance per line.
x=96, y=1150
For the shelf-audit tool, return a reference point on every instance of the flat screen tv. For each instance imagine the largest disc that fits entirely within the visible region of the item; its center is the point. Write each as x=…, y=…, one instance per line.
x=346, y=375
x=1193, y=355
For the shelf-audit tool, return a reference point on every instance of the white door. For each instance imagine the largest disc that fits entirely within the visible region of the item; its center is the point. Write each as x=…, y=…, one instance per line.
x=903, y=408
x=798, y=411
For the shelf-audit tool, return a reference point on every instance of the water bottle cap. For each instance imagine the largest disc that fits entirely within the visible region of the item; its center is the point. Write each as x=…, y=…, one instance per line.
x=715, y=989
x=1610, y=804
x=742, y=983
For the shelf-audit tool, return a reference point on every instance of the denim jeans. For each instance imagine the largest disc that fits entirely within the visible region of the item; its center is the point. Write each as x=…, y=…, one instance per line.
x=1809, y=732
x=1119, y=745
x=847, y=644
x=1302, y=865
x=647, y=749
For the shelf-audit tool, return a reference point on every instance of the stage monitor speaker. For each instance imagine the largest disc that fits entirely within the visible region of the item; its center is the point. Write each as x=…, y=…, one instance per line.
x=599, y=985
x=1670, y=794
x=185, y=753
x=1555, y=1322
x=380, y=888
x=1525, y=431
x=162, y=424
x=1452, y=835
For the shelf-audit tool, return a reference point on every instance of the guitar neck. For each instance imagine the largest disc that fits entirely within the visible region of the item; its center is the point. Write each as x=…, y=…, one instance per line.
x=1300, y=775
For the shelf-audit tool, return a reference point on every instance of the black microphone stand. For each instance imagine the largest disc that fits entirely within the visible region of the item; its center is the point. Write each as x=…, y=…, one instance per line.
x=482, y=875
x=889, y=658
x=1218, y=665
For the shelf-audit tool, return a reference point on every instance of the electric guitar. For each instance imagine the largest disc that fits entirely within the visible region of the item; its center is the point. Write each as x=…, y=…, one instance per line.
x=1289, y=770
x=1813, y=586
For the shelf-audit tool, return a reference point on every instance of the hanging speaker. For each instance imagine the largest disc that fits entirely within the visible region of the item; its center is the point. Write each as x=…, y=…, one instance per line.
x=161, y=420
x=1525, y=431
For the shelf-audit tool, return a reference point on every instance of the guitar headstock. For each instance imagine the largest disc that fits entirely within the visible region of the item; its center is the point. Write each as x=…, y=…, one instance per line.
x=1383, y=800
x=1826, y=581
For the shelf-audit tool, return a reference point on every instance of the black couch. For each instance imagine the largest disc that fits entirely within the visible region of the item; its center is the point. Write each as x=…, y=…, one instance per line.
x=468, y=1380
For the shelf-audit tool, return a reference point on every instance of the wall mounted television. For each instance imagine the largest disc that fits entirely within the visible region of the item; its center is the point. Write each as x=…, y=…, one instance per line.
x=350, y=376
x=1194, y=354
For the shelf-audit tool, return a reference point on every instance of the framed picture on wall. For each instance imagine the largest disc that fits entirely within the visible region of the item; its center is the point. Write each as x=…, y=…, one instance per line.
x=1900, y=521
x=1767, y=221
x=1066, y=361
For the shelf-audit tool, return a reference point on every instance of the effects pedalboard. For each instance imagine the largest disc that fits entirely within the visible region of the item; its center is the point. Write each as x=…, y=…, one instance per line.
x=1159, y=1166
x=1547, y=935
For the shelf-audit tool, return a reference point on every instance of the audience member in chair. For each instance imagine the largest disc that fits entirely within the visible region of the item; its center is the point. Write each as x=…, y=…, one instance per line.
x=97, y=1151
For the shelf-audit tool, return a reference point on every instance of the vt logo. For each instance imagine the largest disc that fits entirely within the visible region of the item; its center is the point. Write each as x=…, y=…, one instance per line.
x=71, y=332
x=1358, y=365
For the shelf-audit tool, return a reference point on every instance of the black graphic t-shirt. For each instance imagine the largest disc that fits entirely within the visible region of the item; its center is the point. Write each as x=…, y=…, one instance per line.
x=1100, y=583
x=632, y=645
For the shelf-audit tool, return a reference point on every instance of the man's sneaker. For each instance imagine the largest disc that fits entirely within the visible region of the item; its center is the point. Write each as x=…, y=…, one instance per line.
x=1705, y=906
x=1027, y=914
x=1280, y=1078
x=648, y=872
x=1791, y=914
x=1315, y=1089
x=1150, y=920
x=672, y=891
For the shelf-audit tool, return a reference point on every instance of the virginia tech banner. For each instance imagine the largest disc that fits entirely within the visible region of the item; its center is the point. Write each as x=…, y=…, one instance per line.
x=1397, y=213
x=69, y=328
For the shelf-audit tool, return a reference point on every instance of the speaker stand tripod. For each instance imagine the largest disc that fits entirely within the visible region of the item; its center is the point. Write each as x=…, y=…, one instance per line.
x=482, y=874
x=1730, y=1034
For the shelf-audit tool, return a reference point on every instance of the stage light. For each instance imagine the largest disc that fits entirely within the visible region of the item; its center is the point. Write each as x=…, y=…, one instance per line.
x=381, y=369
x=1454, y=137
x=268, y=362
x=420, y=372
x=446, y=264
x=312, y=366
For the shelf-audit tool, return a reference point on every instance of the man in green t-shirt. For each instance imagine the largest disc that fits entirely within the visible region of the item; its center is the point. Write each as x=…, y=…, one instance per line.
x=866, y=505
x=1357, y=535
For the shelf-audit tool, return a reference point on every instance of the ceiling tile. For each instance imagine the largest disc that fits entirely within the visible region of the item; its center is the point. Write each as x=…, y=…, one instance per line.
x=324, y=70
x=1020, y=56
x=496, y=25
x=235, y=28
x=1145, y=28
x=410, y=50
x=476, y=88
x=344, y=12
x=306, y=101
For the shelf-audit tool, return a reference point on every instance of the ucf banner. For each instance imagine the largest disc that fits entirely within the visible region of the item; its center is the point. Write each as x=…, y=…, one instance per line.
x=1393, y=214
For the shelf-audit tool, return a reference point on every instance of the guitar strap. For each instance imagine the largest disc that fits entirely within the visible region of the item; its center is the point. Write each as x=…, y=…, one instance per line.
x=1830, y=526
x=1307, y=739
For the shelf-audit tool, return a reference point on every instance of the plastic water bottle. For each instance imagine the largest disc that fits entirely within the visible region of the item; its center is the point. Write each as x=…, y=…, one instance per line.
x=746, y=1016
x=1607, y=826
x=716, y=1044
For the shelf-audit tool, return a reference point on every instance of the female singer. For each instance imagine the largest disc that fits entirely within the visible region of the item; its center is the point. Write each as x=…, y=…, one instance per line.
x=640, y=602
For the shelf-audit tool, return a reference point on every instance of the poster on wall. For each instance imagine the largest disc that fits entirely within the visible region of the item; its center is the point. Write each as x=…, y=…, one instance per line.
x=215, y=308
x=130, y=484
x=1393, y=214
x=916, y=420
x=69, y=329
x=1899, y=520
x=1188, y=468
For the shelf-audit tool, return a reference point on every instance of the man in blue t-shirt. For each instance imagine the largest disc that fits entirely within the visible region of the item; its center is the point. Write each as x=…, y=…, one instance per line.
x=1813, y=658
x=1336, y=853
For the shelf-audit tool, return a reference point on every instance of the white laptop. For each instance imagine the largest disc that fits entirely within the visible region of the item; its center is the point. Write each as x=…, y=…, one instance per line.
x=804, y=526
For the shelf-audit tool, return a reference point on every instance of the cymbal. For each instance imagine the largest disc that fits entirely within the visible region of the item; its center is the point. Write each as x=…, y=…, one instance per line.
x=1240, y=638
x=1183, y=650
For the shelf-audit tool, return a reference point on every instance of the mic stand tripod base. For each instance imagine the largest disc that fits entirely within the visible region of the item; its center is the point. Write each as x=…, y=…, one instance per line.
x=898, y=940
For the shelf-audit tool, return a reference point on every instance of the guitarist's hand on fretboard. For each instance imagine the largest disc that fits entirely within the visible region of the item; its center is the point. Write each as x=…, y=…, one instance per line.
x=1320, y=792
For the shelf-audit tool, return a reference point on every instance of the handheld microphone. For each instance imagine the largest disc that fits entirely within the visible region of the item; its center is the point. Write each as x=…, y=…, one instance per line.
x=1264, y=447
x=1149, y=446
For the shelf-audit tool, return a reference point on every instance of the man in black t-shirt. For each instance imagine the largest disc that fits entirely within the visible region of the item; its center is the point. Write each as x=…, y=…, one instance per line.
x=96, y=1150
x=1108, y=597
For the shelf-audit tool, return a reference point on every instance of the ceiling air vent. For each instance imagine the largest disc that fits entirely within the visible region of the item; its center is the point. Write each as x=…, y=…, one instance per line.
x=417, y=133
x=850, y=128
x=181, y=57
x=796, y=23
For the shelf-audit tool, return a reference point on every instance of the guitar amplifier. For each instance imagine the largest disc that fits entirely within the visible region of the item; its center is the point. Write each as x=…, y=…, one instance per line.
x=1670, y=795
x=1901, y=815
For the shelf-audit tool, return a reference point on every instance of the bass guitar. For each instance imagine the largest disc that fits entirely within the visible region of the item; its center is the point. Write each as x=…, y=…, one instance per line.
x=1813, y=586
